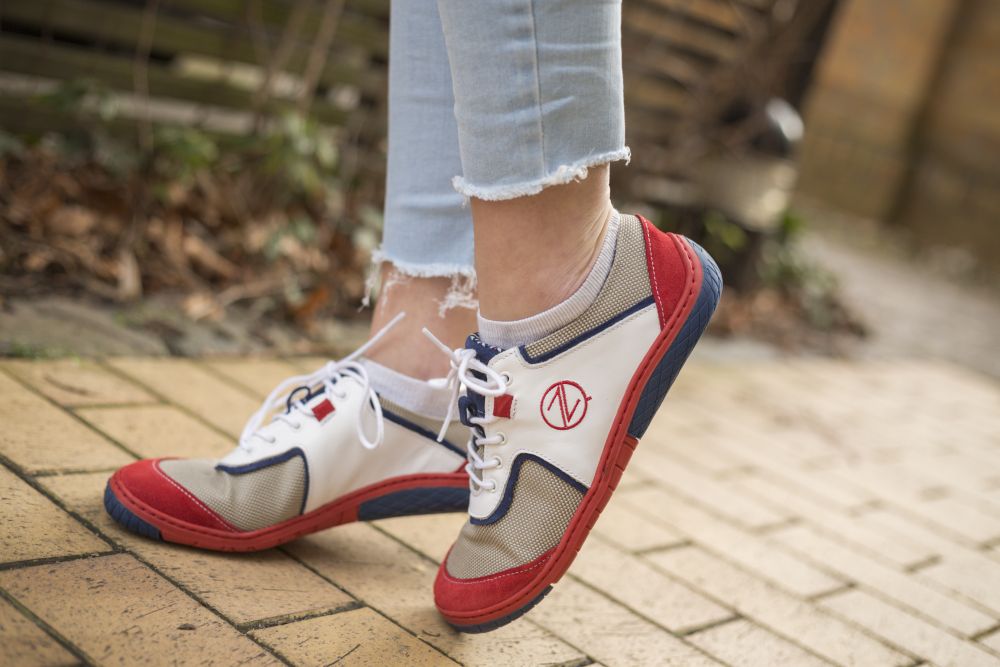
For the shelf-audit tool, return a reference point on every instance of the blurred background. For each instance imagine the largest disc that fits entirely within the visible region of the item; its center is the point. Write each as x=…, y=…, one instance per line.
x=187, y=177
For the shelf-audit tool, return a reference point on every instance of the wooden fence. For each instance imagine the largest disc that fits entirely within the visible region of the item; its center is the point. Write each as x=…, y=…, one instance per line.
x=224, y=64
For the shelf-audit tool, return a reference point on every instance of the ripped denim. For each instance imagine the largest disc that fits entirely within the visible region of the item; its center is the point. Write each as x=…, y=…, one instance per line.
x=493, y=100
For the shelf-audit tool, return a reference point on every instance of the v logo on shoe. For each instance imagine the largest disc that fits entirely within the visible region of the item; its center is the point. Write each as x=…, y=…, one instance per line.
x=564, y=405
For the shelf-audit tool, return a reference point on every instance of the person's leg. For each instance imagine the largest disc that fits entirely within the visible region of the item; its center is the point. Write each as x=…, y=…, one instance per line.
x=586, y=315
x=426, y=255
x=354, y=440
x=543, y=80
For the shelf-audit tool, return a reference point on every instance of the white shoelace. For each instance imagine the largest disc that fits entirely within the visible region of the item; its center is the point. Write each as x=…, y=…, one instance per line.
x=463, y=362
x=330, y=375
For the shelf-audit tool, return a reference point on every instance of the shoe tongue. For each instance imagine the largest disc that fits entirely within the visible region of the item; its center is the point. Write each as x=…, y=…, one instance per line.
x=304, y=394
x=484, y=352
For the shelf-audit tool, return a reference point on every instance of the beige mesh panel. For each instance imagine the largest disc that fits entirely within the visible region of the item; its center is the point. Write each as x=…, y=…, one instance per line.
x=249, y=501
x=627, y=285
x=542, y=507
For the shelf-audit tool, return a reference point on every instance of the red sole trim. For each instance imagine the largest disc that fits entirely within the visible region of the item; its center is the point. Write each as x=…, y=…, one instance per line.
x=618, y=449
x=341, y=511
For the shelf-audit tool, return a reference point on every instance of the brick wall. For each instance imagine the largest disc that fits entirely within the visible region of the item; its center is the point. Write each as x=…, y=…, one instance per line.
x=902, y=120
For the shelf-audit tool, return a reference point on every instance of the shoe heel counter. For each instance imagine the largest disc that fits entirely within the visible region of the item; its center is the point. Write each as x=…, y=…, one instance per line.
x=670, y=364
x=672, y=268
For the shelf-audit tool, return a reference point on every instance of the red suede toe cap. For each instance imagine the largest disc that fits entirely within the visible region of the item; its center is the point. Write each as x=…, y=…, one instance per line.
x=469, y=596
x=145, y=484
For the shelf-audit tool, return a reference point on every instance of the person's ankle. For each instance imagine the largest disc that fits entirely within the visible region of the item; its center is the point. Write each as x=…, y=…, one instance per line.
x=402, y=349
x=534, y=252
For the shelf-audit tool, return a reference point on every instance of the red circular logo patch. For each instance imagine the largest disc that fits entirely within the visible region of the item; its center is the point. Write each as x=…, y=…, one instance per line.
x=564, y=405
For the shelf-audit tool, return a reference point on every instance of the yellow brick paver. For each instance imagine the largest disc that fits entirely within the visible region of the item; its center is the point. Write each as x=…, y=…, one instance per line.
x=743, y=644
x=903, y=629
x=974, y=575
x=758, y=554
x=187, y=384
x=78, y=382
x=115, y=609
x=890, y=583
x=799, y=512
x=259, y=376
x=785, y=614
x=397, y=582
x=24, y=644
x=632, y=531
x=359, y=637
x=32, y=526
x=155, y=431
x=719, y=497
x=659, y=598
x=243, y=588
x=832, y=522
x=610, y=633
x=37, y=436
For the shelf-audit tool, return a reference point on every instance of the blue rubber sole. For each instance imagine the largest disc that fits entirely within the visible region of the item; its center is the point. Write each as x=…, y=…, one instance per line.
x=503, y=620
x=670, y=365
x=126, y=518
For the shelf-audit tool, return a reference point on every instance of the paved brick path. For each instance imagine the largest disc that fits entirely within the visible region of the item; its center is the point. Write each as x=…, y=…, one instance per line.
x=777, y=513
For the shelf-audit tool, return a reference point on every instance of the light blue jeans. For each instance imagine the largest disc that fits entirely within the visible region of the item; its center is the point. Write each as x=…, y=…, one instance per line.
x=493, y=99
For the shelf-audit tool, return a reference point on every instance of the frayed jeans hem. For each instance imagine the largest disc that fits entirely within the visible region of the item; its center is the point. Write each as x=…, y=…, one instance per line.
x=461, y=293
x=562, y=175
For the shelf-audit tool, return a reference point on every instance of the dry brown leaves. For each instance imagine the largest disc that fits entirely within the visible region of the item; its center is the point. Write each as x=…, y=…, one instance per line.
x=218, y=239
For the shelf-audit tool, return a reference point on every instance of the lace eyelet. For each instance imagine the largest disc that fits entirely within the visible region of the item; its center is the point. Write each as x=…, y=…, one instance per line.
x=493, y=486
x=507, y=378
x=497, y=462
x=503, y=439
x=297, y=425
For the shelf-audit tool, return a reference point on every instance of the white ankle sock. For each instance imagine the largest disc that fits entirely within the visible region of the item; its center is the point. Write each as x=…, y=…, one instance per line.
x=415, y=395
x=521, y=332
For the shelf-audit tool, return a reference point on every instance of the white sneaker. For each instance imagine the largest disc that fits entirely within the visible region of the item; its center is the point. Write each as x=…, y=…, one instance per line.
x=555, y=422
x=334, y=453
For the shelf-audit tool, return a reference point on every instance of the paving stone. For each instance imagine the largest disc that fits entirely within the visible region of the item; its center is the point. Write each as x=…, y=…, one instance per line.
x=32, y=526
x=784, y=614
x=611, y=570
x=833, y=522
x=631, y=531
x=751, y=551
x=992, y=641
x=359, y=637
x=609, y=632
x=930, y=602
x=743, y=644
x=633, y=583
x=78, y=382
x=719, y=497
x=974, y=575
x=190, y=386
x=906, y=631
x=241, y=587
x=37, y=436
x=431, y=534
x=260, y=376
x=24, y=644
x=959, y=517
x=117, y=610
x=904, y=528
x=397, y=582
x=153, y=431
